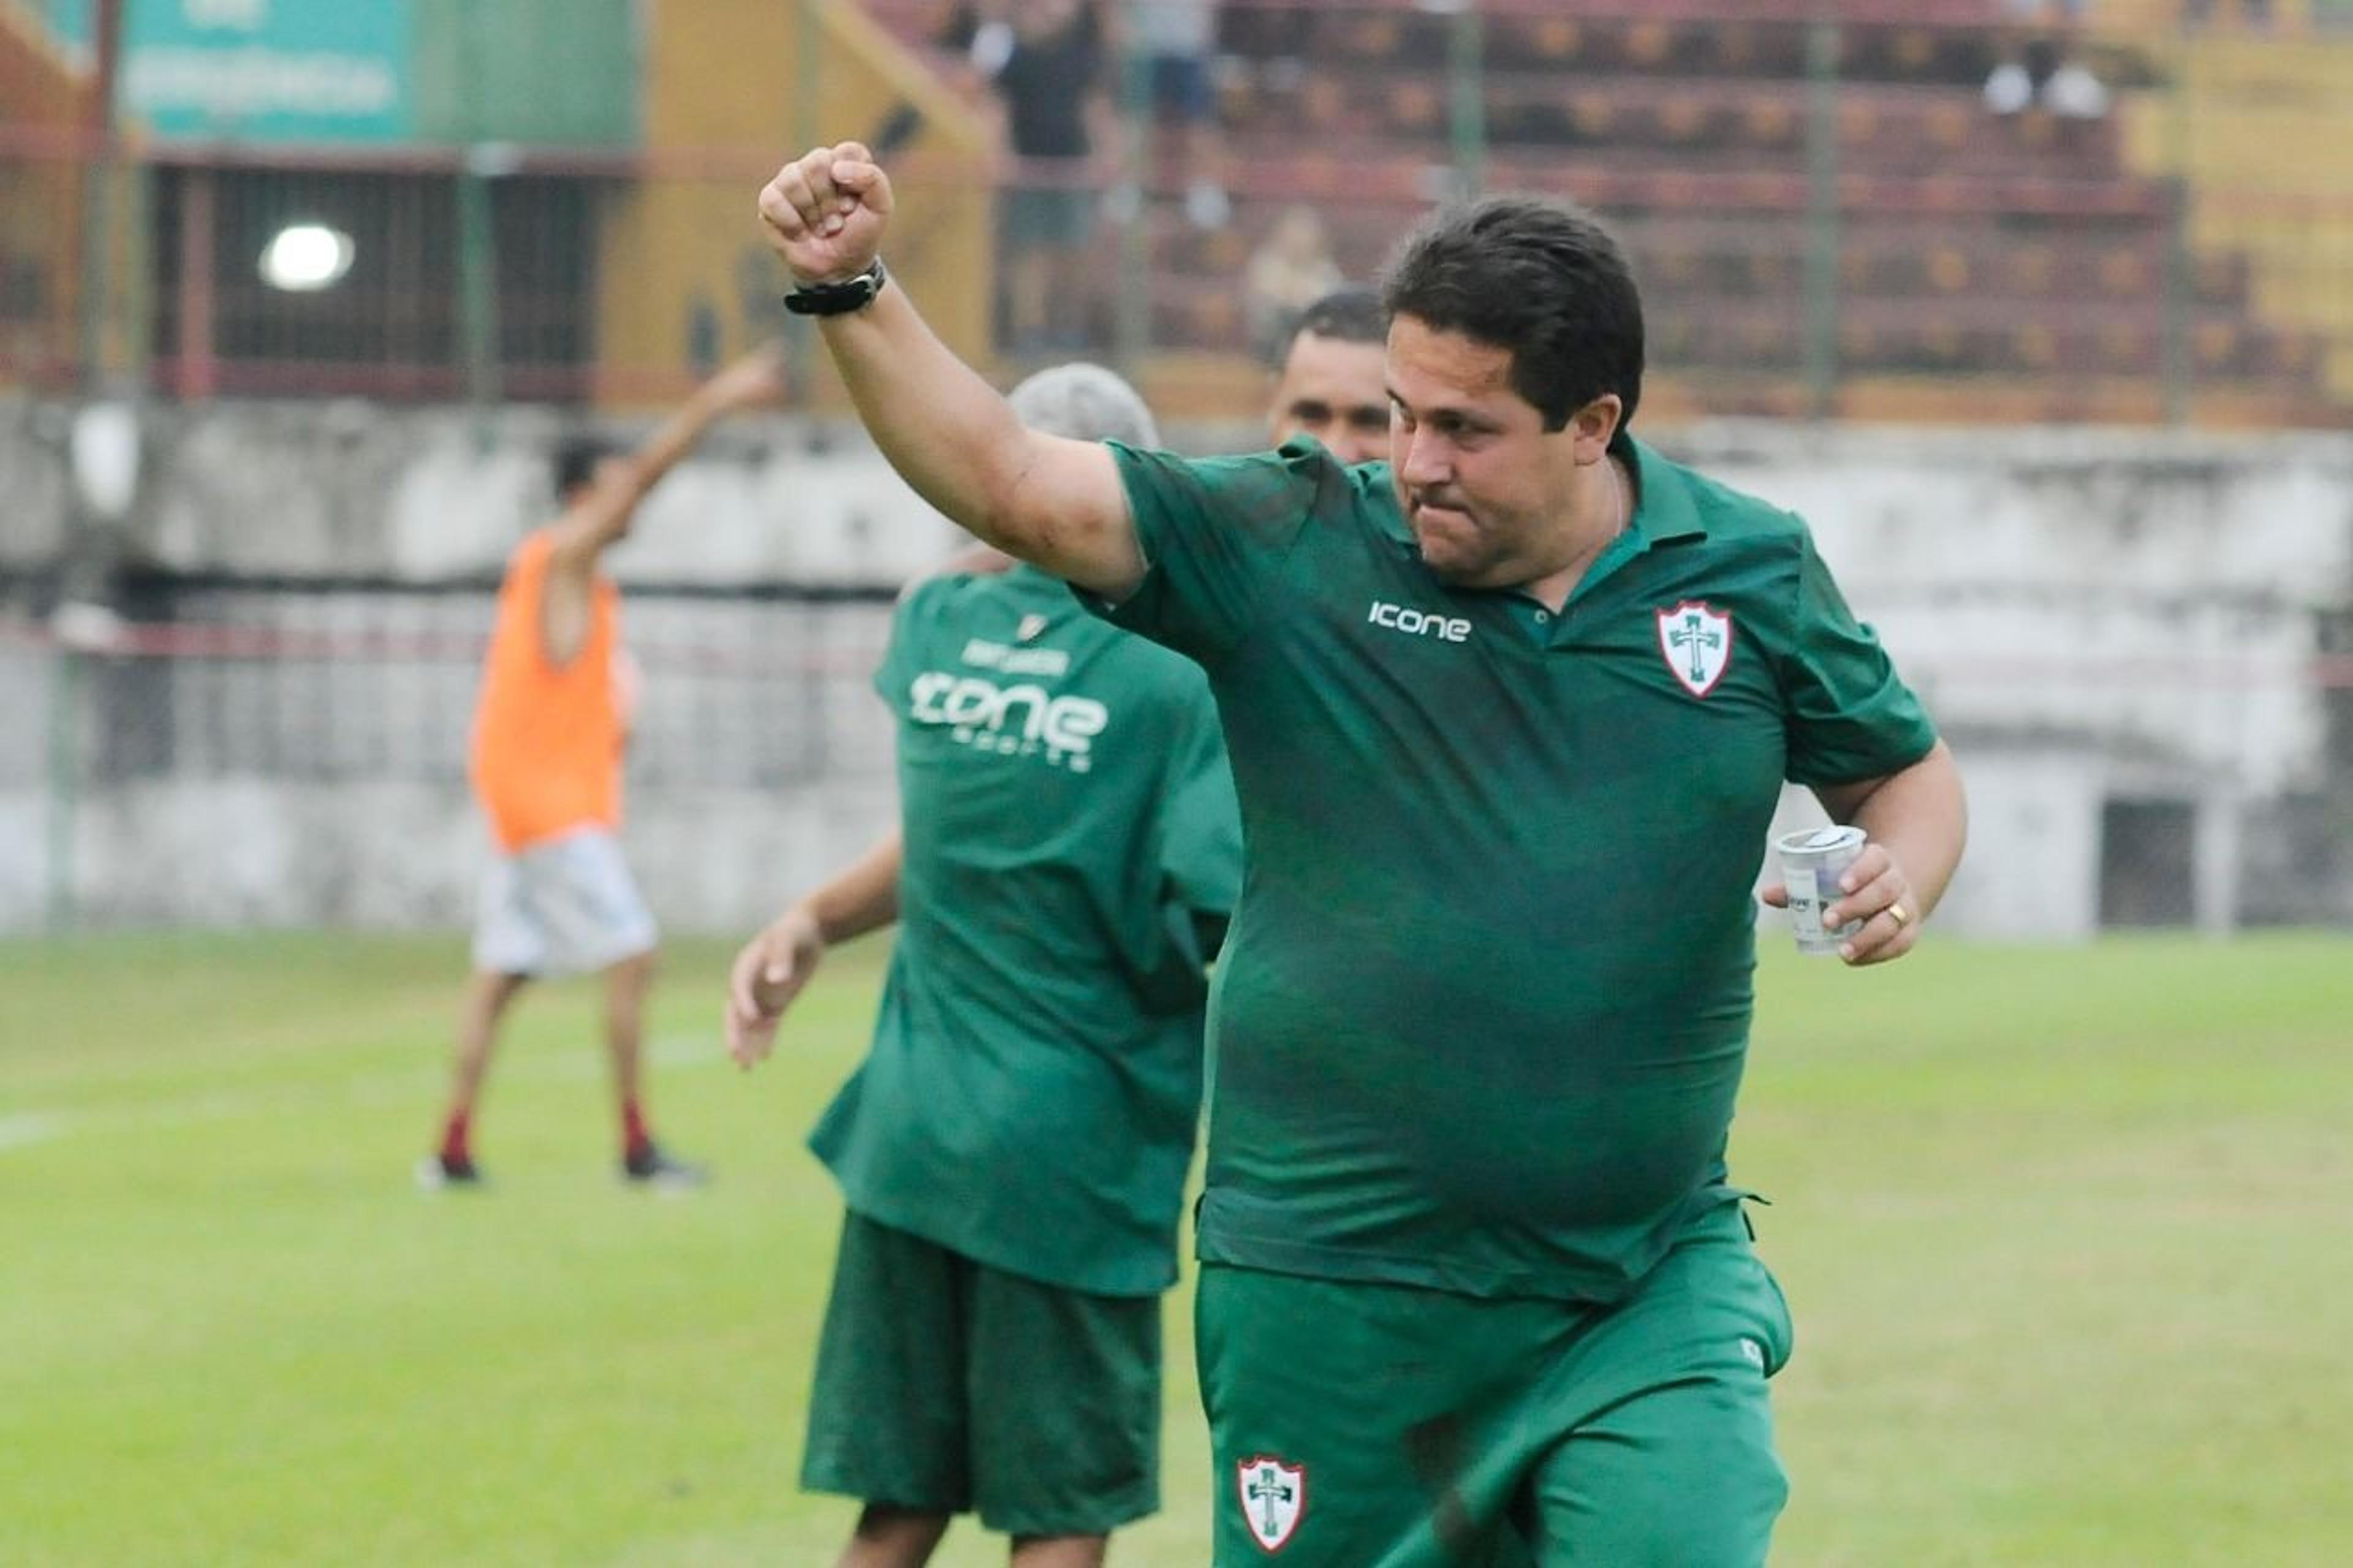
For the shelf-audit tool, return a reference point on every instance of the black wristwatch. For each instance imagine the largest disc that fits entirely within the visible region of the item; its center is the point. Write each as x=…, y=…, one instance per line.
x=854, y=293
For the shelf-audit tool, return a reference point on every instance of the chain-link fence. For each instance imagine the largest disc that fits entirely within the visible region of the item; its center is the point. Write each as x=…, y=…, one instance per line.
x=342, y=718
x=331, y=686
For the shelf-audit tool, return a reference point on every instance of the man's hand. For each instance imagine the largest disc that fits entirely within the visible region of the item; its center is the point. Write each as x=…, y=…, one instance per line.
x=767, y=975
x=1873, y=890
x=825, y=213
x=758, y=380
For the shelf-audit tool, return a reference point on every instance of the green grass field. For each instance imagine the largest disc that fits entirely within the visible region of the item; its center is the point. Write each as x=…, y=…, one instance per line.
x=2069, y=1234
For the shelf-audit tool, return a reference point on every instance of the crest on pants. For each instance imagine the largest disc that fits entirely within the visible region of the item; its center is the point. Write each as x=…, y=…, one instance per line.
x=1274, y=1499
x=1697, y=641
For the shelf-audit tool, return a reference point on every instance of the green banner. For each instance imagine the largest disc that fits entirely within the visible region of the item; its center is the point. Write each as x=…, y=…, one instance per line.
x=262, y=71
x=438, y=72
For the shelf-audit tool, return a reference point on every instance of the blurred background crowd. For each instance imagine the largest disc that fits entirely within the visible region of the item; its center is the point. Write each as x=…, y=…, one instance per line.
x=2012, y=209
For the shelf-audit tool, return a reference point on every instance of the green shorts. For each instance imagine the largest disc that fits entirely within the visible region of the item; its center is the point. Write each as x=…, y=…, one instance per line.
x=947, y=1386
x=1360, y=1425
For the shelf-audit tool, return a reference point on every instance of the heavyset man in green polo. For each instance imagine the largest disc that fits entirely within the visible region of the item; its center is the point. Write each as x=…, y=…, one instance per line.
x=1508, y=723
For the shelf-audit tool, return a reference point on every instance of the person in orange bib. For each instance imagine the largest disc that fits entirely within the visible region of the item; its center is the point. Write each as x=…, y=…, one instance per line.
x=549, y=735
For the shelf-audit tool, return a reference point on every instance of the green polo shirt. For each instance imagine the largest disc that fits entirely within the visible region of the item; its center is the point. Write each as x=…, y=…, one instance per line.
x=1035, y=1079
x=1482, y=1016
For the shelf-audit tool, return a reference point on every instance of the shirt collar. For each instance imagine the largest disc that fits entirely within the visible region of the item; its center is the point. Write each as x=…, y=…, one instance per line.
x=1662, y=509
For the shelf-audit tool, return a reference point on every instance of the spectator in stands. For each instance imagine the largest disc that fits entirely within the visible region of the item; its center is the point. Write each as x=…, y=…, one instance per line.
x=2039, y=63
x=1048, y=62
x=1012, y=1152
x=1175, y=41
x=546, y=768
x=1272, y=43
x=973, y=38
x=1332, y=380
x=1290, y=270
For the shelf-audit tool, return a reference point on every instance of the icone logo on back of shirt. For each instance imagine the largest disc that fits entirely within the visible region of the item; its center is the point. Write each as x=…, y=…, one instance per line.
x=1012, y=720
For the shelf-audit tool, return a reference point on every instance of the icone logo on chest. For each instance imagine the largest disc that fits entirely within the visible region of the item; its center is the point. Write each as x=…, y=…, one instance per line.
x=1419, y=623
x=1021, y=719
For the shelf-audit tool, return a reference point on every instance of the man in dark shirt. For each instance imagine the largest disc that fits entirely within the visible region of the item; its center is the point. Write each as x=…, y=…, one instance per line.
x=1051, y=82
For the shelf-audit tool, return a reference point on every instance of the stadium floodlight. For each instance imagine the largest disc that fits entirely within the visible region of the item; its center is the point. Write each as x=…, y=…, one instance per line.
x=103, y=446
x=304, y=258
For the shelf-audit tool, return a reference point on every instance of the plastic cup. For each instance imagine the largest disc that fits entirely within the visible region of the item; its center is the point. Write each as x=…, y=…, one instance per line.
x=1812, y=863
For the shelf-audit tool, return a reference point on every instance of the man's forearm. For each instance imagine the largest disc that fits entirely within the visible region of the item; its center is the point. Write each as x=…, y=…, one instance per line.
x=672, y=439
x=1059, y=504
x=864, y=896
x=598, y=520
x=947, y=432
x=1921, y=816
x=953, y=438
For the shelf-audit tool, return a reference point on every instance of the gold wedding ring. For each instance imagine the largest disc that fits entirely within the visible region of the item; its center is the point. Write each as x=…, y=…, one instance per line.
x=1902, y=920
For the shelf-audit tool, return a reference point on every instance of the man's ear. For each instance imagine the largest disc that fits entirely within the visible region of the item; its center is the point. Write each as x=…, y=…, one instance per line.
x=1595, y=425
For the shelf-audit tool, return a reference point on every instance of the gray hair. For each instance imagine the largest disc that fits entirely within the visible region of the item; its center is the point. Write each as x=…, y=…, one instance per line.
x=1086, y=403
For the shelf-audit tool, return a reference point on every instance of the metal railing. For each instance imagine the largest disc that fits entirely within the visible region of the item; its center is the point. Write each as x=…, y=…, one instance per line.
x=342, y=693
x=1834, y=211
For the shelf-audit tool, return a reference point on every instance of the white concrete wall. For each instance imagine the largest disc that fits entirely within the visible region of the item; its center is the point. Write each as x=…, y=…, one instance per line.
x=2089, y=613
x=344, y=490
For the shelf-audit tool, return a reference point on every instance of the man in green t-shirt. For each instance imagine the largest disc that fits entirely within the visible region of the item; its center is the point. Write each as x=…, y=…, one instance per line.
x=1012, y=1151
x=1509, y=721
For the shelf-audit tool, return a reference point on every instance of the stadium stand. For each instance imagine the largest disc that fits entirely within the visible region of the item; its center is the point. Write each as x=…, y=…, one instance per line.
x=1828, y=219
x=2028, y=267
x=2256, y=99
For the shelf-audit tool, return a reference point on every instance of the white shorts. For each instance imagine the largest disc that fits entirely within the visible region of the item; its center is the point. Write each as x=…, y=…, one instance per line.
x=565, y=906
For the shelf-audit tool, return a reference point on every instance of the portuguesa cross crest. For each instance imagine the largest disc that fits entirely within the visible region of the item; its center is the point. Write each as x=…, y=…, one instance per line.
x=1274, y=1499
x=1697, y=642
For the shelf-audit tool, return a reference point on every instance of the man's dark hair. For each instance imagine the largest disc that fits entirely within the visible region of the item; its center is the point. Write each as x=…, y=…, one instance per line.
x=1351, y=313
x=1541, y=279
x=576, y=457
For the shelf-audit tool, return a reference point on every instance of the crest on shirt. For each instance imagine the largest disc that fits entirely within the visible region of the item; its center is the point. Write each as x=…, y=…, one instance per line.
x=1273, y=1498
x=1031, y=624
x=1696, y=640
